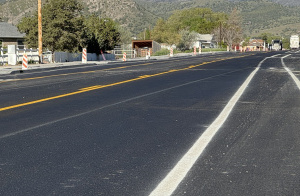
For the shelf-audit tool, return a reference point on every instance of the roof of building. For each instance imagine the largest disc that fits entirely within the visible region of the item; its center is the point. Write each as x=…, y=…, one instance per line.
x=9, y=31
x=256, y=42
x=205, y=37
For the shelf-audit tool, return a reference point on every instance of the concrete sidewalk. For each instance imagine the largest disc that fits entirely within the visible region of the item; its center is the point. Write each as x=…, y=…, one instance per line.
x=9, y=69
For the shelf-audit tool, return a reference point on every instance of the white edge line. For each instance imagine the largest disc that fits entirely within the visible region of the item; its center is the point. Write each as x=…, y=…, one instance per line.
x=169, y=184
x=290, y=72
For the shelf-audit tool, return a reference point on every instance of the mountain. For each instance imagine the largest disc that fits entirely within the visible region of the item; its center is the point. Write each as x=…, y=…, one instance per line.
x=128, y=13
x=288, y=2
x=258, y=15
x=283, y=2
x=275, y=16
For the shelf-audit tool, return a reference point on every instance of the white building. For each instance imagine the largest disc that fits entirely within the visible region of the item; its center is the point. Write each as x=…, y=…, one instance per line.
x=205, y=40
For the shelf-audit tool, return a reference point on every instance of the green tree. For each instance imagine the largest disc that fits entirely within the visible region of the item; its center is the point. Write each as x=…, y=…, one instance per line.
x=198, y=20
x=246, y=41
x=286, y=43
x=66, y=29
x=267, y=37
x=62, y=26
x=29, y=26
x=125, y=35
x=187, y=39
x=145, y=35
x=100, y=34
x=160, y=31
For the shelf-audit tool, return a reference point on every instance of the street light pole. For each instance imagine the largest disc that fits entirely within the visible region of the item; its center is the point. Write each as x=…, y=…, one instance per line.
x=40, y=31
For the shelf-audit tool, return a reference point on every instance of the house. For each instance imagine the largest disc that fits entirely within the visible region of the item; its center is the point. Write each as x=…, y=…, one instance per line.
x=205, y=40
x=255, y=44
x=9, y=35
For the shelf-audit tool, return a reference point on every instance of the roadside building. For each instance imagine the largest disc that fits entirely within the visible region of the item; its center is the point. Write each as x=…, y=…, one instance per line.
x=255, y=45
x=9, y=35
x=205, y=40
x=143, y=46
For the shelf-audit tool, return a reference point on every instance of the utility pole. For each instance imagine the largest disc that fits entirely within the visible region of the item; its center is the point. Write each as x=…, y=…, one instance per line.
x=40, y=31
x=220, y=34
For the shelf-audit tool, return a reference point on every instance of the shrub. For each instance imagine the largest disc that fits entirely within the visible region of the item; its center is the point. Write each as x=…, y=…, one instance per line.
x=162, y=52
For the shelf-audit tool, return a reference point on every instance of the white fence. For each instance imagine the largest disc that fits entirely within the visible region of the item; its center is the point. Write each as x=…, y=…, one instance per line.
x=129, y=53
x=33, y=55
x=59, y=57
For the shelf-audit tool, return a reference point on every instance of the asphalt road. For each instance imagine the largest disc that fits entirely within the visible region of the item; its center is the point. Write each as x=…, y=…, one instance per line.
x=128, y=128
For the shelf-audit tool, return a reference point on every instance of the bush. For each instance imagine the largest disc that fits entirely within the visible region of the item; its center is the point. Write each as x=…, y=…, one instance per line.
x=213, y=49
x=162, y=52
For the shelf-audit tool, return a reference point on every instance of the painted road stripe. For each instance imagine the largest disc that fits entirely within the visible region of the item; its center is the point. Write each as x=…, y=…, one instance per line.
x=296, y=80
x=95, y=71
x=76, y=73
x=169, y=184
x=111, y=105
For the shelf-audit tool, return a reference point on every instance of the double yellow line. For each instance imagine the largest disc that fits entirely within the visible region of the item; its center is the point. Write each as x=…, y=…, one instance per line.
x=96, y=87
x=76, y=73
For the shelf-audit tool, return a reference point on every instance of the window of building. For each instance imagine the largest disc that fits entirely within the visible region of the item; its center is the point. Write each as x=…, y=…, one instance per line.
x=21, y=44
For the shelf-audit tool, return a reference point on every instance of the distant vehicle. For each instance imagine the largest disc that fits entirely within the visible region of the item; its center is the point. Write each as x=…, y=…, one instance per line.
x=276, y=45
x=294, y=42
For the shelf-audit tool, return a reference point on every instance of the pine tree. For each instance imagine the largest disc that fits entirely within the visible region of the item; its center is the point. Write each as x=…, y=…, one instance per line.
x=66, y=29
x=62, y=25
x=100, y=34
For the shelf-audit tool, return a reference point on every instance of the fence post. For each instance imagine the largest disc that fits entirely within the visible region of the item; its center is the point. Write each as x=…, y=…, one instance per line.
x=124, y=56
x=24, y=62
x=18, y=55
x=2, y=55
x=148, y=54
x=31, y=54
x=84, y=55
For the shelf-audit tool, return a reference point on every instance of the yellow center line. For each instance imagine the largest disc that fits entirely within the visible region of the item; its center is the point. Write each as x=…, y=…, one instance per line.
x=68, y=74
x=96, y=87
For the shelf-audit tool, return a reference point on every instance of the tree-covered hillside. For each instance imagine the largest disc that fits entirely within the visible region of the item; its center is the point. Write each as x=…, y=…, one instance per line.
x=127, y=13
x=258, y=15
x=283, y=2
x=136, y=15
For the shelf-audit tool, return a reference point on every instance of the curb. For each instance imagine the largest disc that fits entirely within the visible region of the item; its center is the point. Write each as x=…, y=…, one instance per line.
x=39, y=67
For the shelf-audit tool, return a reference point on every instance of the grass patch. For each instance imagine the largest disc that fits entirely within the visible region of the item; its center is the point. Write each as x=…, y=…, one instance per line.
x=162, y=52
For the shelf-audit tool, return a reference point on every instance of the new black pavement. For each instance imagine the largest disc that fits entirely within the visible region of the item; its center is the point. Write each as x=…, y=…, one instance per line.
x=123, y=140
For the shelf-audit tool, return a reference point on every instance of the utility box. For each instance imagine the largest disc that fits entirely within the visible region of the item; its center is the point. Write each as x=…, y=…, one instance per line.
x=12, y=54
x=143, y=46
